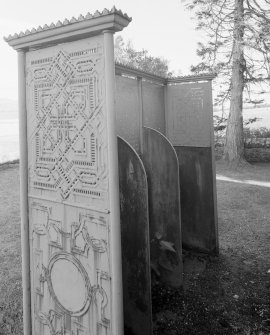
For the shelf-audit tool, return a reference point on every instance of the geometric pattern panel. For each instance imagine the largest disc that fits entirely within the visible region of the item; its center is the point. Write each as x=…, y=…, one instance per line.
x=70, y=270
x=190, y=114
x=67, y=123
x=68, y=189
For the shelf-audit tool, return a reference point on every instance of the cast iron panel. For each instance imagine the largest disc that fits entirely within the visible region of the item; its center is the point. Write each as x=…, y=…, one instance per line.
x=69, y=213
x=190, y=114
x=135, y=242
x=199, y=229
x=67, y=123
x=127, y=110
x=153, y=106
x=162, y=170
x=70, y=269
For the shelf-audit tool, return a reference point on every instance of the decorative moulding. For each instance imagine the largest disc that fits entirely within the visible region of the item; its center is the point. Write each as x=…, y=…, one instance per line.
x=69, y=30
x=192, y=78
x=133, y=71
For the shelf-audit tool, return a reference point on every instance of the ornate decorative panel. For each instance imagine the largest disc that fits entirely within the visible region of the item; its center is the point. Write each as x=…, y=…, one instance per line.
x=71, y=280
x=68, y=190
x=67, y=138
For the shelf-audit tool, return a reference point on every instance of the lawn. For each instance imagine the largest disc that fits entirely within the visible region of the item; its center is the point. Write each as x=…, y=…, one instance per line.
x=222, y=295
x=10, y=252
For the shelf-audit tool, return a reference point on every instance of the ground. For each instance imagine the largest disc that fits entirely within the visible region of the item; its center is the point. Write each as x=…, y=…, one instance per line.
x=228, y=294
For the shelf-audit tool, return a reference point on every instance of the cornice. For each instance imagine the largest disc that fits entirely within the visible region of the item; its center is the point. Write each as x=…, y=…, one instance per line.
x=69, y=30
x=133, y=71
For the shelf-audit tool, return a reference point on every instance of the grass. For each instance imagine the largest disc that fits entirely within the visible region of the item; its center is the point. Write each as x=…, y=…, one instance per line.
x=10, y=252
x=228, y=295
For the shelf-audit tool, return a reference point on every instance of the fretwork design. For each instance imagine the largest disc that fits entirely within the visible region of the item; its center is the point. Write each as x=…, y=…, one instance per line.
x=68, y=141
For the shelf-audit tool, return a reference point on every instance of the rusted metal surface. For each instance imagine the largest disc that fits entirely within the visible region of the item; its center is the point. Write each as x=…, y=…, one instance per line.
x=135, y=242
x=161, y=164
x=199, y=229
x=153, y=106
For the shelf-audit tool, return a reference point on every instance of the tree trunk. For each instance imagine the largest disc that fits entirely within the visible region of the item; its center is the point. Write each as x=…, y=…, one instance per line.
x=234, y=145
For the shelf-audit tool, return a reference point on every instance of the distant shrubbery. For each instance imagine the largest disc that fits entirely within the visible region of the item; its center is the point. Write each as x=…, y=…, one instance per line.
x=261, y=132
x=257, y=144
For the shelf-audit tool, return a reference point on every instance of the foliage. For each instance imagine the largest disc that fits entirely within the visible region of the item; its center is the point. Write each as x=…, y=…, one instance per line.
x=216, y=18
x=237, y=48
x=220, y=122
x=127, y=55
x=261, y=132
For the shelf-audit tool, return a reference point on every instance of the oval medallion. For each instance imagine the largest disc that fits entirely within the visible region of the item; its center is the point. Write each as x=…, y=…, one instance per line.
x=69, y=283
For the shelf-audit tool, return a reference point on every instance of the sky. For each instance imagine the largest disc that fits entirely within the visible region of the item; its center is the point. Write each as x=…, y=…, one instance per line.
x=164, y=28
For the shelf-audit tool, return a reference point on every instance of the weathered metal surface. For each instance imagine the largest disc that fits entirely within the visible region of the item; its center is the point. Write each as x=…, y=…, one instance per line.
x=135, y=242
x=189, y=119
x=199, y=229
x=162, y=170
x=127, y=110
x=153, y=106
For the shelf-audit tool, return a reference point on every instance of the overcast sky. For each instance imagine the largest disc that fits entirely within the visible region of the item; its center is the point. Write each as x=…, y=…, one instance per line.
x=164, y=28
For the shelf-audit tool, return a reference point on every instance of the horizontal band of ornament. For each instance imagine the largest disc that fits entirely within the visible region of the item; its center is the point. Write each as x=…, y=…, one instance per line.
x=82, y=205
x=66, y=22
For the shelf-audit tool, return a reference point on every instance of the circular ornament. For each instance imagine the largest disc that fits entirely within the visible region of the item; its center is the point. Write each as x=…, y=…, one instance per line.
x=69, y=283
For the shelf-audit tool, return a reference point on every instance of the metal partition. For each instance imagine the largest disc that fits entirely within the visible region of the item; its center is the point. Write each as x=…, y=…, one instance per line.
x=128, y=107
x=140, y=101
x=190, y=129
x=71, y=241
x=180, y=108
x=162, y=170
x=153, y=106
x=135, y=241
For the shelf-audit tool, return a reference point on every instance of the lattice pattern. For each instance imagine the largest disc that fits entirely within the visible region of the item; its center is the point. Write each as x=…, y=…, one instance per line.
x=69, y=149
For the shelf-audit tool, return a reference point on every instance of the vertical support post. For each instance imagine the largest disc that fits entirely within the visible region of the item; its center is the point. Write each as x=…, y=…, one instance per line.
x=166, y=109
x=141, y=121
x=24, y=194
x=117, y=290
x=213, y=167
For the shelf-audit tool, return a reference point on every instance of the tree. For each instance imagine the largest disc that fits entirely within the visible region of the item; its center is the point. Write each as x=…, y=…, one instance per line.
x=237, y=49
x=127, y=55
